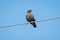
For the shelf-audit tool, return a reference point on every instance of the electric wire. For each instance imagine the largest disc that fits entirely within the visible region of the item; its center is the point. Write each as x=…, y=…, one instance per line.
x=29, y=22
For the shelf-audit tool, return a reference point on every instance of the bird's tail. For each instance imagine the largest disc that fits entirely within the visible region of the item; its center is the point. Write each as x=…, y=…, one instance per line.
x=34, y=25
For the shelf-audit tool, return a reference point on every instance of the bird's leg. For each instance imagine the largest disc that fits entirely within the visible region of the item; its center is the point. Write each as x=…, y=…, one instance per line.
x=27, y=23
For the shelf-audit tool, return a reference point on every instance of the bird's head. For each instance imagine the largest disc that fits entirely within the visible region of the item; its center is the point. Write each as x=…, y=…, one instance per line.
x=29, y=11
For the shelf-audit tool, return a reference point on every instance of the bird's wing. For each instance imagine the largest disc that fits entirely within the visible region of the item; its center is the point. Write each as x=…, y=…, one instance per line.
x=30, y=18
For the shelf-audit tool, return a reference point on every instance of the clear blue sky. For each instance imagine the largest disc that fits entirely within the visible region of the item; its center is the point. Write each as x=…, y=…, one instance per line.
x=14, y=11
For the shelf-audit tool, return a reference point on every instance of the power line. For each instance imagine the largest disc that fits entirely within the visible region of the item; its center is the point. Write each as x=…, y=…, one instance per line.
x=30, y=22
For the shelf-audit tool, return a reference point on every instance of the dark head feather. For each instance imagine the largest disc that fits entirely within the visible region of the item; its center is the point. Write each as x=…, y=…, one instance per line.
x=29, y=11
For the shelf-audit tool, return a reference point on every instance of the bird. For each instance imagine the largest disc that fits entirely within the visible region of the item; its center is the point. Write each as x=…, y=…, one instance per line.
x=30, y=18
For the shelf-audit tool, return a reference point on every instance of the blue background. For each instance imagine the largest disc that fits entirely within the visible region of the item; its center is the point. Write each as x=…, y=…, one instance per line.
x=14, y=12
